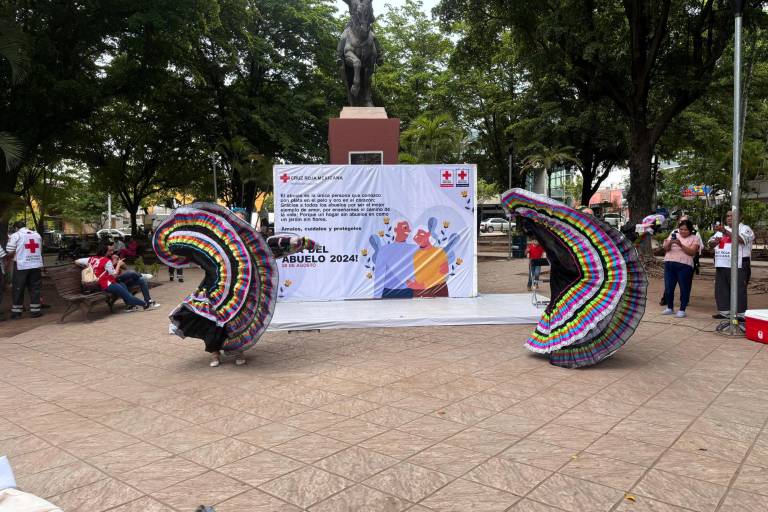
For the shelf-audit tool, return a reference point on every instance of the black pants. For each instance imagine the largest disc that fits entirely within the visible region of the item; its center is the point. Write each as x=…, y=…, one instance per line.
x=179, y=272
x=723, y=291
x=31, y=280
x=746, y=264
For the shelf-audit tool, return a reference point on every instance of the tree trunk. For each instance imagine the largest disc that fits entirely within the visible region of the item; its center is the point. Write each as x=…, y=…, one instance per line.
x=640, y=181
x=133, y=210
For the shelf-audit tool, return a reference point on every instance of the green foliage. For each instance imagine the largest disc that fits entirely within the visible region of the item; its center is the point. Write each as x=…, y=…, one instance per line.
x=486, y=190
x=139, y=265
x=431, y=139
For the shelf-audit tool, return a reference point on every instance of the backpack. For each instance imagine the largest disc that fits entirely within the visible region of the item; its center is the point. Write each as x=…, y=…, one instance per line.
x=89, y=279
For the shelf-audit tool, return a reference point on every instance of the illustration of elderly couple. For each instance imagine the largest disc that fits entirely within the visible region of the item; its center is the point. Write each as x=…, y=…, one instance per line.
x=405, y=270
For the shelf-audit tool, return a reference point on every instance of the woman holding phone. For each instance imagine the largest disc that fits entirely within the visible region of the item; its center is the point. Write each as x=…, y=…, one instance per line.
x=680, y=247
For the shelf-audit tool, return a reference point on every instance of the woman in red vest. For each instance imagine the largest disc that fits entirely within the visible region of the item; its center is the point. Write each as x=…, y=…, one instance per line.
x=107, y=277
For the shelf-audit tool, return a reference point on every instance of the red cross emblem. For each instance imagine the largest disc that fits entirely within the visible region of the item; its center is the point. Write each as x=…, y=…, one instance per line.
x=32, y=246
x=462, y=175
x=447, y=175
x=284, y=178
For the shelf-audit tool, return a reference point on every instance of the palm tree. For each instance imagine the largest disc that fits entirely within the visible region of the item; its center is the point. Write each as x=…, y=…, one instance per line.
x=547, y=158
x=12, y=51
x=431, y=139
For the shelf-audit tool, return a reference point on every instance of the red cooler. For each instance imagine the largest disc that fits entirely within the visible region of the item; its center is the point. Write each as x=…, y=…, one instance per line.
x=756, y=321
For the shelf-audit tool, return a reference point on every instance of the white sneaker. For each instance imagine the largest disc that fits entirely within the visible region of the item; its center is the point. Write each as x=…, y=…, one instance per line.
x=148, y=277
x=667, y=312
x=239, y=358
x=680, y=314
x=215, y=360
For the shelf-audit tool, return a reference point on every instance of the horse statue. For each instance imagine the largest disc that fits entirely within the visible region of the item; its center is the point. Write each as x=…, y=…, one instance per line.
x=358, y=52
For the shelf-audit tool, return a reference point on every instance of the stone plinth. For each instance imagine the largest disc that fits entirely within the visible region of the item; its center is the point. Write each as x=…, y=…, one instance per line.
x=364, y=135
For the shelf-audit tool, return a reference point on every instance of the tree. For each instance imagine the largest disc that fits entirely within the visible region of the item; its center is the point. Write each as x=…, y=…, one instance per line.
x=547, y=159
x=413, y=79
x=651, y=59
x=430, y=139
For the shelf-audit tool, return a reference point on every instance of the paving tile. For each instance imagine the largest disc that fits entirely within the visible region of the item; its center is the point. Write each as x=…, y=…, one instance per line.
x=161, y=474
x=360, y=498
x=699, y=466
x=40, y=460
x=725, y=449
x=356, y=463
x=482, y=440
x=142, y=422
x=680, y=491
x=509, y=424
x=724, y=429
x=587, y=420
x=448, y=459
x=421, y=404
x=430, y=427
x=643, y=504
x=541, y=455
x=759, y=454
x=209, y=489
x=125, y=459
x=270, y=435
x=187, y=439
x=390, y=417
x=463, y=412
x=219, y=453
x=508, y=476
x=647, y=432
x=59, y=479
x=628, y=450
x=314, y=420
x=255, y=501
x=96, y=497
x=408, y=481
x=98, y=444
x=397, y=444
x=234, y=424
x=310, y=448
x=565, y=436
x=23, y=444
x=145, y=504
x=461, y=495
x=306, y=487
x=602, y=470
x=575, y=495
x=532, y=506
x=352, y=431
x=260, y=468
x=740, y=501
x=752, y=479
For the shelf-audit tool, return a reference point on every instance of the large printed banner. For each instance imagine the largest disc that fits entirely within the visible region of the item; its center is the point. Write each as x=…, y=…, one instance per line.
x=383, y=231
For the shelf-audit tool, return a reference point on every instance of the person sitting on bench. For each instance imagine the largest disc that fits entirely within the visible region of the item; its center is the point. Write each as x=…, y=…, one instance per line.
x=108, y=282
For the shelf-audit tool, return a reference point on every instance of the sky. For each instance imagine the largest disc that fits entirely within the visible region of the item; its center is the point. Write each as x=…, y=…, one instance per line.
x=378, y=5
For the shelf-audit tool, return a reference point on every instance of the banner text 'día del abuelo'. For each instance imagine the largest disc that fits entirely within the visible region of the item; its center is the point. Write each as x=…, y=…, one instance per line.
x=388, y=231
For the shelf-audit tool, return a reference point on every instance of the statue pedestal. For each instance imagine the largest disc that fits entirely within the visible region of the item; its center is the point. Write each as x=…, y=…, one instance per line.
x=364, y=135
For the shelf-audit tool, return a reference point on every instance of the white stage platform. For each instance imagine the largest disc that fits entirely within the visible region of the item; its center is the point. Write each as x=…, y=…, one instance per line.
x=346, y=314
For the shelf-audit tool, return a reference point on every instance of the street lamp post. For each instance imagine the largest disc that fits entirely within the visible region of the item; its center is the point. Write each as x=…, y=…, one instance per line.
x=738, y=6
x=215, y=190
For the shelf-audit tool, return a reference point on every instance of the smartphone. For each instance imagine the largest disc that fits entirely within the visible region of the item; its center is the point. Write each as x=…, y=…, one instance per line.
x=674, y=236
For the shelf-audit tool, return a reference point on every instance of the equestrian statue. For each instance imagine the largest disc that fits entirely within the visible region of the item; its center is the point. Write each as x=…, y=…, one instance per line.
x=358, y=52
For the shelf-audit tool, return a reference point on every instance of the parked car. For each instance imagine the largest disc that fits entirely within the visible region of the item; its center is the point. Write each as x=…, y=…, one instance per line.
x=110, y=233
x=615, y=220
x=496, y=224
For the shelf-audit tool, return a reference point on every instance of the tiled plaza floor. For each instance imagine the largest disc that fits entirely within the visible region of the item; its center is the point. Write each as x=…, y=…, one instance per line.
x=117, y=415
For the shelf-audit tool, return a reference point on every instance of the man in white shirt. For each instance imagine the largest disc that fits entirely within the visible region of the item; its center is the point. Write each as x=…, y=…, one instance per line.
x=721, y=241
x=26, y=246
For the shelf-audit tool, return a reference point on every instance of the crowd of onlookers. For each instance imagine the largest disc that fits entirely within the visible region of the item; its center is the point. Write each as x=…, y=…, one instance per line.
x=682, y=249
x=22, y=260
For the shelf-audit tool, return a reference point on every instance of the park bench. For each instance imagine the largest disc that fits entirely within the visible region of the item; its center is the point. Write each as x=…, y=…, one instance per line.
x=67, y=279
